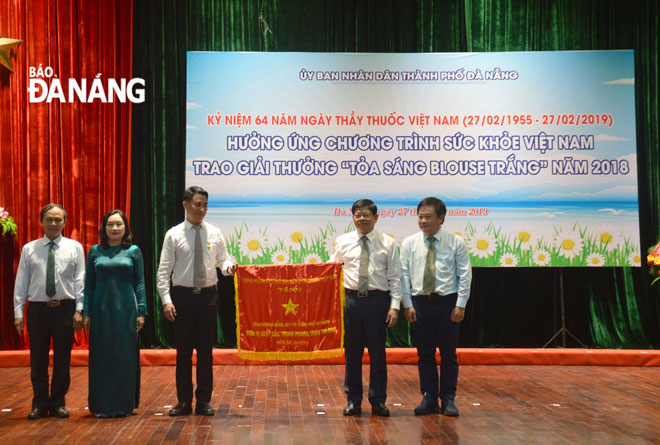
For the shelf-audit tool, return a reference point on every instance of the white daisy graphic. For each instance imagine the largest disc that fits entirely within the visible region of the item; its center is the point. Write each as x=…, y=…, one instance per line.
x=541, y=257
x=569, y=244
x=482, y=244
x=313, y=258
x=606, y=237
x=330, y=243
x=595, y=260
x=635, y=259
x=524, y=236
x=509, y=260
x=279, y=257
x=252, y=244
x=294, y=240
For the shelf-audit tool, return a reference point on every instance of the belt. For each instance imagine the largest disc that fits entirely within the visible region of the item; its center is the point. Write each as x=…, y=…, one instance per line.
x=53, y=303
x=370, y=293
x=196, y=291
x=435, y=296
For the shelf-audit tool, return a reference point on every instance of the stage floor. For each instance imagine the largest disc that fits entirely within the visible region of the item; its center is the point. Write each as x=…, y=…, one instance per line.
x=304, y=403
x=400, y=356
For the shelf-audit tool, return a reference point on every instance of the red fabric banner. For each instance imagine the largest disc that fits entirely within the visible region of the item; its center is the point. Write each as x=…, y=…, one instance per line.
x=290, y=312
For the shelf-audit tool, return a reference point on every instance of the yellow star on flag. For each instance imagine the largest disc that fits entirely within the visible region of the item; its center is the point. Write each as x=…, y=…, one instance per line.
x=290, y=307
x=5, y=45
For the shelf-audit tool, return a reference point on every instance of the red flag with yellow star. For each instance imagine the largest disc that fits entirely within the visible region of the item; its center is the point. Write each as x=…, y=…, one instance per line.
x=289, y=312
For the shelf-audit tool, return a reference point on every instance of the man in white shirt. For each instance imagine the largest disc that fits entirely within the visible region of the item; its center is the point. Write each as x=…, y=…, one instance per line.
x=372, y=276
x=50, y=276
x=436, y=286
x=190, y=253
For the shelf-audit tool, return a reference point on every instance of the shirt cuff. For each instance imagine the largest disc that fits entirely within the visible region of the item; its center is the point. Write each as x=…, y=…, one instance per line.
x=166, y=299
x=225, y=268
x=395, y=303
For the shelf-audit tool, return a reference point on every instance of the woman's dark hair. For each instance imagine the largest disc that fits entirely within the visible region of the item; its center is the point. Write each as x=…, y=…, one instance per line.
x=127, y=241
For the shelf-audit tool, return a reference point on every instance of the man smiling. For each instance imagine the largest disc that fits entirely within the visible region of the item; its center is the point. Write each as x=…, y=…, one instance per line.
x=372, y=276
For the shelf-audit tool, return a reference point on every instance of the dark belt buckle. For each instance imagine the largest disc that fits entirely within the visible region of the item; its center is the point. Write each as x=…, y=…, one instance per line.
x=362, y=295
x=196, y=291
x=53, y=303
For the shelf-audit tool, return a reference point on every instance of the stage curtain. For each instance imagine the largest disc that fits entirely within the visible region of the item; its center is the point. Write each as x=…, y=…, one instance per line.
x=508, y=308
x=76, y=154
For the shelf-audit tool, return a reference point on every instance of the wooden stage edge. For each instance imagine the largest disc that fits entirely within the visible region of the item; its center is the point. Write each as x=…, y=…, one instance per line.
x=401, y=356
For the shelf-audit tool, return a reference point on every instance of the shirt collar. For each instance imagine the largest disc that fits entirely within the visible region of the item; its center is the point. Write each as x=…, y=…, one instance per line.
x=370, y=235
x=190, y=225
x=56, y=240
x=436, y=235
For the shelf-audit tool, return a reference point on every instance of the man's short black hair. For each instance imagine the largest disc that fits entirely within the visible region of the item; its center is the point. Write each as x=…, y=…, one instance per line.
x=437, y=204
x=192, y=191
x=368, y=203
x=47, y=207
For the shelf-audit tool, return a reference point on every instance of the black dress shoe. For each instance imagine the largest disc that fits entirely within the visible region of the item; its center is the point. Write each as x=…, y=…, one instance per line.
x=352, y=409
x=60, y=412
x=204, y=409
x=380, y=410
x=182, y=409
x=37, y=414
x=449, y=409
x=429, y=405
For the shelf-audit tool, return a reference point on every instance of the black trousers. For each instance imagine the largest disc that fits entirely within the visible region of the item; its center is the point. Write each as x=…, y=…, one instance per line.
x=44, y=323
x=434, y=329
x=194, y=327
x=364, y=325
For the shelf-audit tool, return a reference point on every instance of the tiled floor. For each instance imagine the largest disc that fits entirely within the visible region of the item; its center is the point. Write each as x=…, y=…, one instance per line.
x=304, y=403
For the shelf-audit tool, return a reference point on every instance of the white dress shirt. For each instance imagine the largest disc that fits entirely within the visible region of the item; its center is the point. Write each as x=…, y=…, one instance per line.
x=453, y=271
x=178, y=257
x=384, y=263
x=30, y=282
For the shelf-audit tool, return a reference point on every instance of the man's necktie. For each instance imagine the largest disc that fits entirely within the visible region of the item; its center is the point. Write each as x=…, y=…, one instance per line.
x=363, y=280
x=429, y=269
x=199, y=278
x=50, y=270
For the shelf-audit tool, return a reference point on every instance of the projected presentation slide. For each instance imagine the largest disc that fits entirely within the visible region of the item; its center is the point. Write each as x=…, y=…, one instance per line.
x=533, y=153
